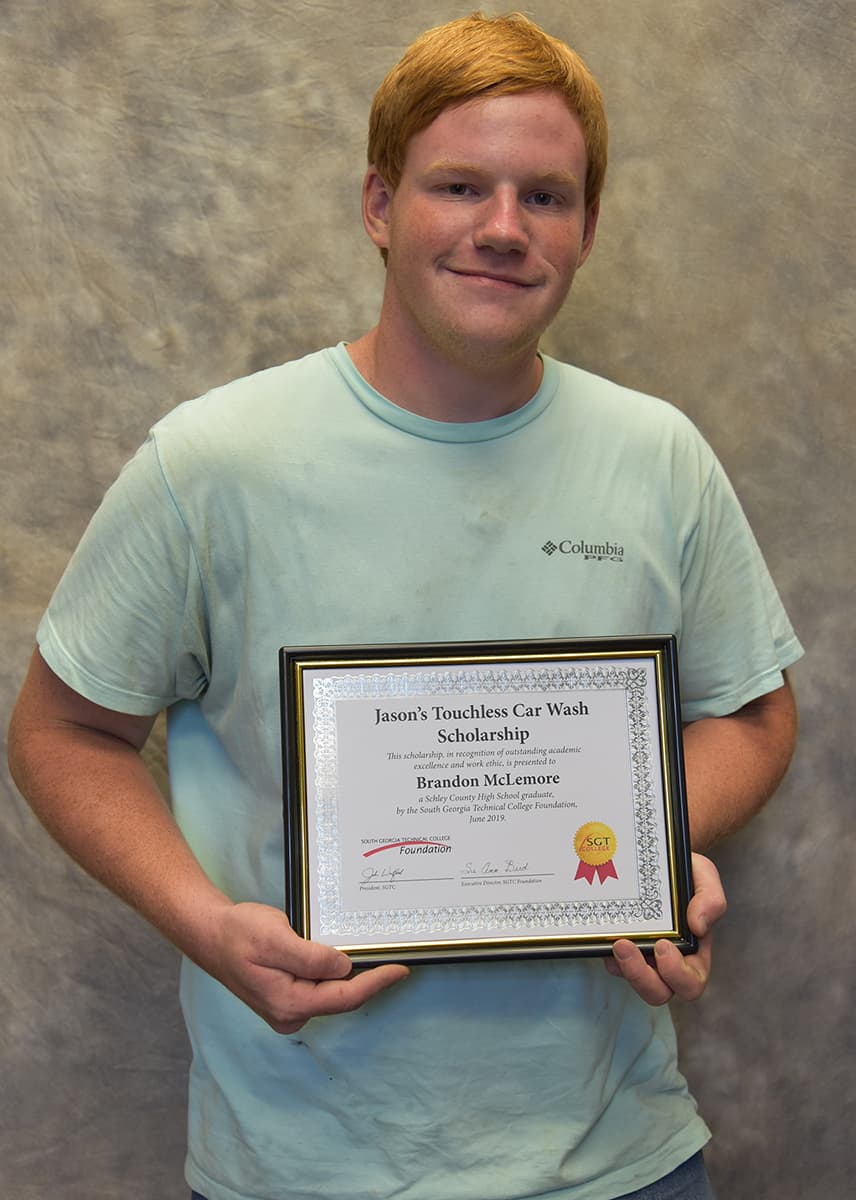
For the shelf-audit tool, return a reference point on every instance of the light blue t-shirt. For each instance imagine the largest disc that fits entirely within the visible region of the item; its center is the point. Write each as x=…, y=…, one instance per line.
x=300, y=507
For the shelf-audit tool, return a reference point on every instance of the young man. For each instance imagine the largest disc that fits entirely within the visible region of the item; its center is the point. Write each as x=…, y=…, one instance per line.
x=282, y=509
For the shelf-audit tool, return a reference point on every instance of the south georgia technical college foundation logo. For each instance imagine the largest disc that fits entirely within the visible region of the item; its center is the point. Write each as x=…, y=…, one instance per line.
x=594, y=844
x=414, y=845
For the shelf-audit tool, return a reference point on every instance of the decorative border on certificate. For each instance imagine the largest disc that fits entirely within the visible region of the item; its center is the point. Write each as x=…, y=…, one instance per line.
x=478, y=800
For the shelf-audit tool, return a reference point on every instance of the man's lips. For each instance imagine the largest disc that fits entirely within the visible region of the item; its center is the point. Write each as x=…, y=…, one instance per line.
x=492, y=277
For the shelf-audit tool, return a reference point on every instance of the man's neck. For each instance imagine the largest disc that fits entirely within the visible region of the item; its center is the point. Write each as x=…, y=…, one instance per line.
x=442, y=390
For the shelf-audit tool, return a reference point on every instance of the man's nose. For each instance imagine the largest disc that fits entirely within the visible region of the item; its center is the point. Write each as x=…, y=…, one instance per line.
x=503, y=225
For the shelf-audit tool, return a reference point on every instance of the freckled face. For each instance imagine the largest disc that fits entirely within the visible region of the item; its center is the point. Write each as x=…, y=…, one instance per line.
x=486, y=228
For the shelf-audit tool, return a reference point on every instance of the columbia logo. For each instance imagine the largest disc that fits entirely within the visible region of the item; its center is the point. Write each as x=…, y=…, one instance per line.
x=589, y=551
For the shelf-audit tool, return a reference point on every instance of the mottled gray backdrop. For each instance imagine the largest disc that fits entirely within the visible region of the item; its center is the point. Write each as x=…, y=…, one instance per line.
x=179, y=206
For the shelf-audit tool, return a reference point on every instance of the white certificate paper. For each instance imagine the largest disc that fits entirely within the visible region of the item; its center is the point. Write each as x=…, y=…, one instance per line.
x=479, y=808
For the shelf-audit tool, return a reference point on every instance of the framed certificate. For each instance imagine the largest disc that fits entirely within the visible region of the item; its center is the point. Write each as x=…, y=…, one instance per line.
x=483, y=800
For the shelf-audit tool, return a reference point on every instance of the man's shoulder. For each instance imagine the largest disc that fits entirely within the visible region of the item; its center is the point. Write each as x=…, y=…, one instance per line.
x=250, y=424
x=260, y=393
x=611, y=405
x=254, y=416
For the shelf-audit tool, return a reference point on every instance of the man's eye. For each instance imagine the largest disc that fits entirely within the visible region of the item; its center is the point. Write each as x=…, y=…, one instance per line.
x=458, y=189
x=543, y=199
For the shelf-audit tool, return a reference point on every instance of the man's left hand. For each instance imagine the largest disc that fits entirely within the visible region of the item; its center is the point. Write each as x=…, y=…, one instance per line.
x=669, y=973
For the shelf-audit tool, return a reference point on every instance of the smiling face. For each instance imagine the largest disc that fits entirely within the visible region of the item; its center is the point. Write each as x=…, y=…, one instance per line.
x=484, y=232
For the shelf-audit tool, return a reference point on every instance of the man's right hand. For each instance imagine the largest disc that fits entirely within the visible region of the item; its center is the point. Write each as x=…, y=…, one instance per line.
x=283, y=978
x=79, y=766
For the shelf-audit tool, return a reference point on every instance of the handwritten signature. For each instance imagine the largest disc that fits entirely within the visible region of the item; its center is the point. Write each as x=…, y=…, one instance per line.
x=387, y=874
x=508, y=867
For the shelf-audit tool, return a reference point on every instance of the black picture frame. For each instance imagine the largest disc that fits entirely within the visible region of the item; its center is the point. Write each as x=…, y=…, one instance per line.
x=642, y=670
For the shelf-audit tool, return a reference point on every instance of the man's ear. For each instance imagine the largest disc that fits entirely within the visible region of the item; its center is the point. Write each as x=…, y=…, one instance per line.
x=377, y=199
x=592, y=214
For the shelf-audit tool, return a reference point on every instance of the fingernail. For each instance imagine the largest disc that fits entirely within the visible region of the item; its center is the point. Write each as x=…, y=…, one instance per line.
x=622, y=951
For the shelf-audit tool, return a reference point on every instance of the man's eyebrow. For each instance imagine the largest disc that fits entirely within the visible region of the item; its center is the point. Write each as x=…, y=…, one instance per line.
x=453, y=166
x=565, y=179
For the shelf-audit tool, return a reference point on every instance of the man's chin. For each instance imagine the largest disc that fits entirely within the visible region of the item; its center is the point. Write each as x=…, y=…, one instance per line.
x=491, y=349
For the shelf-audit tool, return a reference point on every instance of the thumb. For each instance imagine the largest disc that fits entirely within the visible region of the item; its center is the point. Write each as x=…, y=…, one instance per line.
x=285, y=950
x=313, y=960
x=708, y=904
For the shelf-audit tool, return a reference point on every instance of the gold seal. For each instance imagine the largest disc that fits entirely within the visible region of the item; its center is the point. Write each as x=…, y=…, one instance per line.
x=594, y=843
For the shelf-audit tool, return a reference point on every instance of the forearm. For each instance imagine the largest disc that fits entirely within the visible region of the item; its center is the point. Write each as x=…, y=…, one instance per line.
x=735, y=763
x=80, y=768
x=94, y=794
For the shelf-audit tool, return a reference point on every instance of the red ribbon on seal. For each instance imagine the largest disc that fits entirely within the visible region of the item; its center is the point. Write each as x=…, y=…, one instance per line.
x=604, y=871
